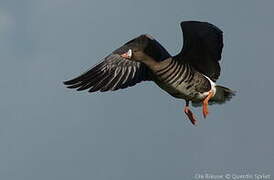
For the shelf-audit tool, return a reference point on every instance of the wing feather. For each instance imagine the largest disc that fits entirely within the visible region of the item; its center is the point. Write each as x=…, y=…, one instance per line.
x=115, y=72
x=202, y=48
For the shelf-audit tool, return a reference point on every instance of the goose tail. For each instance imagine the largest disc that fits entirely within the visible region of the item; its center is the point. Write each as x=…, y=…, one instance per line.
x=222, y=95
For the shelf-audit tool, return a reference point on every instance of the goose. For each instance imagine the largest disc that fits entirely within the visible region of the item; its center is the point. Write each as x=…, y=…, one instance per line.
x=190, y=75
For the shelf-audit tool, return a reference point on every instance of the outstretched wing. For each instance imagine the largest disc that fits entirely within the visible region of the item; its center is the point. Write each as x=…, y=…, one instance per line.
x=202, y=48
x=115, y=72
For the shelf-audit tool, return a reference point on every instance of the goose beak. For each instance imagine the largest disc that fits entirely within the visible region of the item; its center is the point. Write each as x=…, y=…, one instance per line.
x=127, y=55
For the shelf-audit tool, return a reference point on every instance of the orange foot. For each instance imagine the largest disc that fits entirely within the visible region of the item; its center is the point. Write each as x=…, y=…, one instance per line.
x=205, y=110
x=205, y=104
x=190, y=115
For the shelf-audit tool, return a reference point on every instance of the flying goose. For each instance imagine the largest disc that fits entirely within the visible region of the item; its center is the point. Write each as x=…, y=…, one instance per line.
x=190, y=75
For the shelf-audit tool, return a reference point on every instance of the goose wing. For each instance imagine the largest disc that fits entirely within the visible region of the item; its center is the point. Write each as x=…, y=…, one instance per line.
x=202, y=48
x=115, y=72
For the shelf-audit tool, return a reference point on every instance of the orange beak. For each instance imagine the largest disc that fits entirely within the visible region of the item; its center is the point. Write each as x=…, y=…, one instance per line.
x=125, y=55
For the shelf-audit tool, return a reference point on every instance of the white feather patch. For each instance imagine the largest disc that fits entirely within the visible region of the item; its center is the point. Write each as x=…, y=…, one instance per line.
x=129, y=53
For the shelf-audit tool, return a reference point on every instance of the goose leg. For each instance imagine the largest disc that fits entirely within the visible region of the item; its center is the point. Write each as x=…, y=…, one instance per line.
x=205, y=103
x=189, y=114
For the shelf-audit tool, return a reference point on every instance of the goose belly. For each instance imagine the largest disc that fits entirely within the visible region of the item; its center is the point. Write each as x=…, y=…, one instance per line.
x=181, y=80
x=182, y=90
x=195, y=88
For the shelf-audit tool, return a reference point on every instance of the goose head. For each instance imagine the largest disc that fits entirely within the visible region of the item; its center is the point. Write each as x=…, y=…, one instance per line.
x=136, y=54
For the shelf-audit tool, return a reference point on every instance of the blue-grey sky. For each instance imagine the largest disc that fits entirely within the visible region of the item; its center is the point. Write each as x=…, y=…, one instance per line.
x=50, y=132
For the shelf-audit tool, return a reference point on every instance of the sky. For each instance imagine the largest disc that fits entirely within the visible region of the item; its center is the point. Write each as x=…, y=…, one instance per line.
x=50, y=132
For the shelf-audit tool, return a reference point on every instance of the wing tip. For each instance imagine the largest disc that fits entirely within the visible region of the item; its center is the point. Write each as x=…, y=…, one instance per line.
x=204, y=23
x=67, y=82
x=72, y=81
